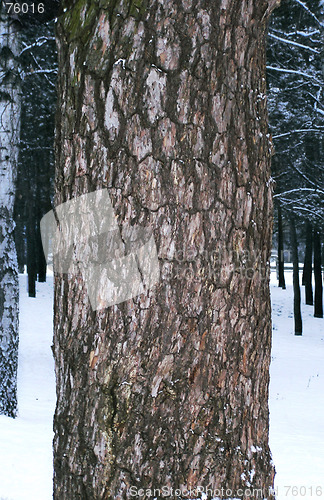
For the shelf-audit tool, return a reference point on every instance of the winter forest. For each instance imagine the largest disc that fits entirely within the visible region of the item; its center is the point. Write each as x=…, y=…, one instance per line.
x=161, y=249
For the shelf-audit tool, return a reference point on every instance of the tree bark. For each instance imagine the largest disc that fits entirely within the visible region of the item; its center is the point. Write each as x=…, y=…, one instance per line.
x=163, y=104
x=308, y=265
x=318, y=302
x=294, y=253
x=281, y=257
x=9, y=137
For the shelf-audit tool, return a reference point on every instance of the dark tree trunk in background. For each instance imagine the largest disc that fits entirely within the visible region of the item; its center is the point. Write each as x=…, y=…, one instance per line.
x=36, y=158
x=41, y=192
x=41, y=258
x=31, y=253
x=32, y=248
x=9, y=138
x=281, y=257
x=164, y=105
x=296, y=286
x=20, y=235
x=318, y=299
x=308, y=265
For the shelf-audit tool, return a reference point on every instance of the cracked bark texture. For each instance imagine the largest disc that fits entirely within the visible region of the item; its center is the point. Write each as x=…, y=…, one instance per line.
x=9, y=137
x=163, y=103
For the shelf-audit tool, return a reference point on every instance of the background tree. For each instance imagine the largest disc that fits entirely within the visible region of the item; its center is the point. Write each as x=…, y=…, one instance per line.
x=318, y=299
x=308, y=265
x=9, y=137
x=281, y=260
x=294, y=252
x=36, y=159
x=163, y=104
x=296, y=81
x=295, y=78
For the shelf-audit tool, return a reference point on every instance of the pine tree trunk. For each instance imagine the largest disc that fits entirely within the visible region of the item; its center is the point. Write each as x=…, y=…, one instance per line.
x=281, y=257
x=294, y=252
x=318, y=302
x=163, y=104
x=9, y=137
x=308, y=265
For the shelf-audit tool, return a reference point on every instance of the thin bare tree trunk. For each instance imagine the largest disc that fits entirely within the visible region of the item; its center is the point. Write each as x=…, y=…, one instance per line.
x=9, y=137
x=281, y=257
x=163, y=104
x=318, y=302
x=294, y=251
x=308, y=265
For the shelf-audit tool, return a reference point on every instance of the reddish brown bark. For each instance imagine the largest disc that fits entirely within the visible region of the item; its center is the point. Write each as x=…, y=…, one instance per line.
x=163, y=103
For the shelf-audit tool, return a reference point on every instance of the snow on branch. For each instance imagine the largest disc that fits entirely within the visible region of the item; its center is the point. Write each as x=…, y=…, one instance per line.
x=39, y=42
x=304, y=176
x=36, y=71
x=298, y=190
x=302, y=4
x=291, y=42
x=299, y=131
x=316, y=214
x=306, y=34
x=44, y=72
x=295, y=72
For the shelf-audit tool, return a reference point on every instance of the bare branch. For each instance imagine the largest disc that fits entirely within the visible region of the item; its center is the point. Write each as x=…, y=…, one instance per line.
x=299, y=190
x=304, y=176
x=305, y=34
x=299, y=131
x=290, y=42
x=310, y=12
x=295, y=72
x=39, y=42
x=43, y=71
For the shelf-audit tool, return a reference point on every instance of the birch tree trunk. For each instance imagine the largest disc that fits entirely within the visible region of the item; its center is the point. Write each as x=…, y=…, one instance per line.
x=9, y=137
x=163, y=103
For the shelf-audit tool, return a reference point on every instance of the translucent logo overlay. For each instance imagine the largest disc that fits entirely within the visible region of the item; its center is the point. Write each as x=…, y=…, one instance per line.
x=82, y=235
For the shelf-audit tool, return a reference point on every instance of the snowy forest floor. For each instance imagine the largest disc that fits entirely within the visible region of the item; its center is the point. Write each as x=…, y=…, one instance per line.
x=296, y=402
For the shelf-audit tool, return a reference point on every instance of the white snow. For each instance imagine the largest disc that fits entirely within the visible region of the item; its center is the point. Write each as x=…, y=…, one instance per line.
x=26, y=442
x=296, y=398
x=296, y=402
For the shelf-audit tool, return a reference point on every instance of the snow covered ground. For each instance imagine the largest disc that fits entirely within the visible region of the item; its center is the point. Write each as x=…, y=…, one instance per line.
x=296, y=399
x=26, y=442
x=296, y=403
